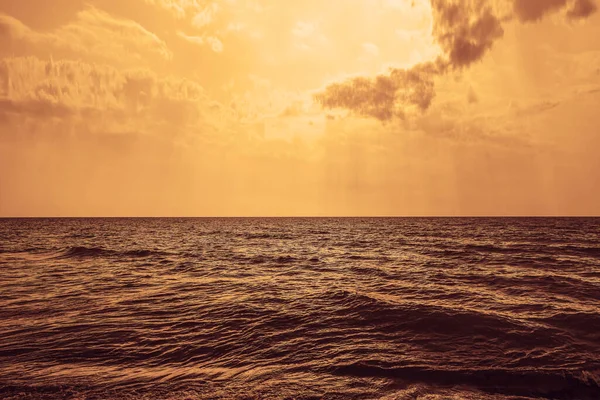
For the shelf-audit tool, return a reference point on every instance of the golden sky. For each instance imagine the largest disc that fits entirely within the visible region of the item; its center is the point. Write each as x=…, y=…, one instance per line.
x=312, y=107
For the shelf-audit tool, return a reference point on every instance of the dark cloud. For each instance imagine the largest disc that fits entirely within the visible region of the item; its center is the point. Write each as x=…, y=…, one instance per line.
x=385, y=96
x=533, y=10
x=582, y=9
x=465, y=30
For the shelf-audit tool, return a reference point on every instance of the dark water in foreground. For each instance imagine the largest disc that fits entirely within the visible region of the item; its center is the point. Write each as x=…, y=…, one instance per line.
x=300, y=308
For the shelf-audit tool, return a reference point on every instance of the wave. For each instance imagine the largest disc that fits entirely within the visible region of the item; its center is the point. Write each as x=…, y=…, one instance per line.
x=78, y=252
x=424, y=318
x=589, y=251
x=489, y=248
x=370, y=271
x=586, y=325
x=555, y=384
x=81, y=236
x=266, y=236
x=537, y=250
x=85, y=391
x=33, y=250
x=268, y=259
x=570, y=286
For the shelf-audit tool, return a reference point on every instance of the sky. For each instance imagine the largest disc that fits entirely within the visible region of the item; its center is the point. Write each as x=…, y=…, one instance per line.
x=299, y=108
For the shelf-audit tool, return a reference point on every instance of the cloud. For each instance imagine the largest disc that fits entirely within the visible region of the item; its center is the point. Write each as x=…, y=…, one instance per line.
x=263, y=101
x=465, y=30
x=528, y=10
x=385, y=96
x=206, y=15
x=199, y=40
x=534, y=109
x=117, y=36
x=70, y=83
x=534, y=10
x=213, y=42
x=13, y=28
x=93, y=33
x=202, y=13
x=177, y=7
x=41, y=108
x=371, y=49
x=135, y=100
x=106, y=99
x=582, y=9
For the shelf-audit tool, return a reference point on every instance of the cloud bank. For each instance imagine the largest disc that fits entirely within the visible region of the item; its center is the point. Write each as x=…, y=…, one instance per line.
x=135, y=100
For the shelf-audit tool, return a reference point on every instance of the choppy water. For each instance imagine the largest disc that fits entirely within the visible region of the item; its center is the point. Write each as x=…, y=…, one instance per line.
x=299, y=308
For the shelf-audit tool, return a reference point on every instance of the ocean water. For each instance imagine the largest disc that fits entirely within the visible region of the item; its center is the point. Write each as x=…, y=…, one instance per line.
x=394, y=308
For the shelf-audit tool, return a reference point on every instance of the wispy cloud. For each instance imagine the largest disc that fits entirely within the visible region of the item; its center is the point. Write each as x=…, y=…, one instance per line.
x=92, y=33
x=213, y=42
x=177, y=7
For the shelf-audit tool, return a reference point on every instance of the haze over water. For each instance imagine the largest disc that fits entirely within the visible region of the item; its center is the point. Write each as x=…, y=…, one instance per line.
x=395, y=308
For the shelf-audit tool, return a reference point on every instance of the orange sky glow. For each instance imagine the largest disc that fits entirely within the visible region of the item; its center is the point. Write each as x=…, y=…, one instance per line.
x=299, y=108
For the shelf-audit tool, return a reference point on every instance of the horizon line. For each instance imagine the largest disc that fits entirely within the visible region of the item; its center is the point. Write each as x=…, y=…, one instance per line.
x=298, y=216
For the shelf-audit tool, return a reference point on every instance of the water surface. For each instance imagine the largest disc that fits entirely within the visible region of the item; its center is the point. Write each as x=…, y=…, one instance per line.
x=299, y=308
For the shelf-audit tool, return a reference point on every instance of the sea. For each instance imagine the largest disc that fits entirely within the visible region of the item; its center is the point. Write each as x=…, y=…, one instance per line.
x=300, y=308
